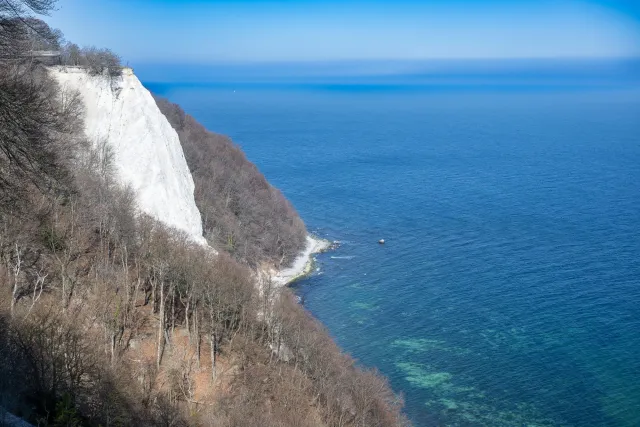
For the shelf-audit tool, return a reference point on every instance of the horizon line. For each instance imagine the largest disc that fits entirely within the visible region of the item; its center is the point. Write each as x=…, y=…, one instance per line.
x=391, y=60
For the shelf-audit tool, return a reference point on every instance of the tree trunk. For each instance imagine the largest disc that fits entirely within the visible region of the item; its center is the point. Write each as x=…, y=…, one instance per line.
x=113, y=348
x=186, y=318
x=173, y=310
x=153, y=296
x=64, y=289
x=161, y=326
x=213, y=357
x=196, y=330
x=135, y=294
x=16, y=280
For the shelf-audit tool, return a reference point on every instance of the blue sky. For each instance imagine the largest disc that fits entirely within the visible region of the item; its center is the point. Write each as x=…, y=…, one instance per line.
x=202, y=32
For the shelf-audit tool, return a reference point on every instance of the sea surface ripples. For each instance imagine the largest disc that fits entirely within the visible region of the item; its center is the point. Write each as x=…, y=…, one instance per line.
x=508, y=290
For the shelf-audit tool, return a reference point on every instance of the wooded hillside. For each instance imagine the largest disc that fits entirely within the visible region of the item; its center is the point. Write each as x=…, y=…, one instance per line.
x=242, y=213
x=108, y=317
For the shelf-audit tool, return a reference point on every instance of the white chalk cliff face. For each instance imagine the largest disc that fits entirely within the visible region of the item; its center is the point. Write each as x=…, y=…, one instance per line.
x=147, y=152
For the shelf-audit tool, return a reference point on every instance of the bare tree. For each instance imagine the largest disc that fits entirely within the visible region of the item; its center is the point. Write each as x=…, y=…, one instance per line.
x=71, y=54
x=100, y=61
x=242, y=213
x=30, y=121
x=18, y=29
x=24, y=7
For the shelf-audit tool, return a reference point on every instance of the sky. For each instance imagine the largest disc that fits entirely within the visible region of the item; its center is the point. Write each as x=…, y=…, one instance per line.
x=246, y=31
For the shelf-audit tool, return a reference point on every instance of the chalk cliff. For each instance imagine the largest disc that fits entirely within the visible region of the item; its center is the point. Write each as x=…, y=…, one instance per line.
x=146, y=149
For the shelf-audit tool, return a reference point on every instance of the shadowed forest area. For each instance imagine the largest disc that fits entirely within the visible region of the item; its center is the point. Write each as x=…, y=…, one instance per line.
x=108, y=317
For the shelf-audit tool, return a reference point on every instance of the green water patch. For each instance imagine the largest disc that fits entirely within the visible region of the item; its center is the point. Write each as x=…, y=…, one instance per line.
x=616, y=405
x=519, y=339
x=364, y=306
x=417, y=345
x=360, y=318
x=512, y=338
x=479, y=413
x=451, y=399
x=423, y=345
x=421, y=376
x=620, y=390
x=361, y=312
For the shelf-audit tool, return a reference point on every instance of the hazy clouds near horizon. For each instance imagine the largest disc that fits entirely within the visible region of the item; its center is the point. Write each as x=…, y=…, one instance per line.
x=423, y=73
x=213, y=31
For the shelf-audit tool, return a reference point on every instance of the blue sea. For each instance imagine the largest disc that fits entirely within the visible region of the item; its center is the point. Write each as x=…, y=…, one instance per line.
x=508, y=290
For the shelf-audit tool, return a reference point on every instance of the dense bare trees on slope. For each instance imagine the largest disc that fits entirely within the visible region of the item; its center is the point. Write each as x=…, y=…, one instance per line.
x=17, y=26
x=93, y=277
x=86, y=282
x=111, y=279
x=242, y=213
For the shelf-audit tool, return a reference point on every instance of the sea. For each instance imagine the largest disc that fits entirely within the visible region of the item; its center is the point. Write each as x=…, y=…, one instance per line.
x=507, y=292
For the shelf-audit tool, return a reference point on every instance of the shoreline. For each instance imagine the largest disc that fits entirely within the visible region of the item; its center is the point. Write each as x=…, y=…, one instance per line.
x=303, y=264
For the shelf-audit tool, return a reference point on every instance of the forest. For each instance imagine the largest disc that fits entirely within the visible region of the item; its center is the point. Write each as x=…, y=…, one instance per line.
x=108, y=317
x=242, y=213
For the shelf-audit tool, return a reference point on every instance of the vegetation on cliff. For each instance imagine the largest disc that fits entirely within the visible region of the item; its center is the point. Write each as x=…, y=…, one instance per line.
x=242, y=213
x=108, y=317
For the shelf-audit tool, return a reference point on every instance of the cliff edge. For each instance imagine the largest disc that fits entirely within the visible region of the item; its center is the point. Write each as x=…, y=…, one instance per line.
x=146, y=150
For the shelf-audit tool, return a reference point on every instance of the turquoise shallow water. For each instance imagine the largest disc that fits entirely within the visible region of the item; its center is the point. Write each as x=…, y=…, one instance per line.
x=508, y=292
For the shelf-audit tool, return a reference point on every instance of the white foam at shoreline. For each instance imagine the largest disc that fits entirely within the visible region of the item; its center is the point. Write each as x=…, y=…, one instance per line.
x=302, y=264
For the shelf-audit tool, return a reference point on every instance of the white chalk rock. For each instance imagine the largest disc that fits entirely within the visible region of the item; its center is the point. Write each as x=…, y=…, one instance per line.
x=147, y=151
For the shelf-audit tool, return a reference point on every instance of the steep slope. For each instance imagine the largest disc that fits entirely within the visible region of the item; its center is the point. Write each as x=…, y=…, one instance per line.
x=146, y=150
x=242, y=213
